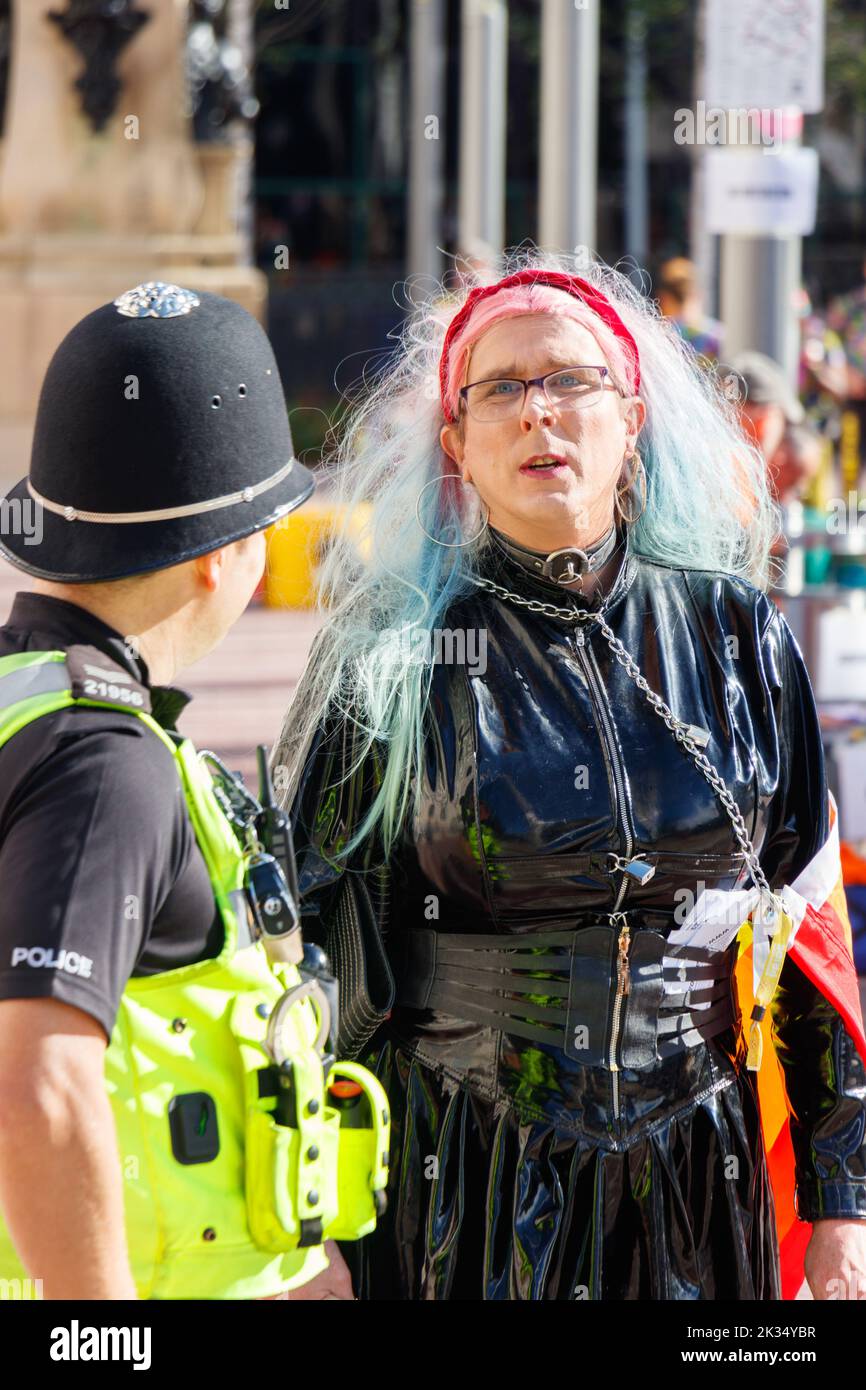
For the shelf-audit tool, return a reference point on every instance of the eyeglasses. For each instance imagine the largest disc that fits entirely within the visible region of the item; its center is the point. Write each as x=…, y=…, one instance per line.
x=568, y=388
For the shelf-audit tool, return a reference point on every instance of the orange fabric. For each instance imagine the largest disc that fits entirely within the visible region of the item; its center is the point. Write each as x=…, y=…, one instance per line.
x=853, y=865
x=823, y=951
x=773, y=1102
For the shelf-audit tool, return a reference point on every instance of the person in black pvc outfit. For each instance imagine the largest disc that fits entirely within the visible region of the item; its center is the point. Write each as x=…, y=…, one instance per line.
x=572, y=1116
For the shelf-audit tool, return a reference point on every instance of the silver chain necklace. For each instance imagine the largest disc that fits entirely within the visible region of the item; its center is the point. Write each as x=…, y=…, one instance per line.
x=687, y=735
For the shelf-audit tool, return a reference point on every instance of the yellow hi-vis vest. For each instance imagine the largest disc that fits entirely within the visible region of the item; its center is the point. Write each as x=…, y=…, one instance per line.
x=228, y=1227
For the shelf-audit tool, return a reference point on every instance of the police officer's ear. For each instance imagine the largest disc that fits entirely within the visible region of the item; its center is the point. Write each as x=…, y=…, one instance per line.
x=210, y=568
x=248, y=553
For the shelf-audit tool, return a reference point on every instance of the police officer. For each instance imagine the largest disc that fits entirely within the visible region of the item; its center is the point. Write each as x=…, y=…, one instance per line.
x=141, y=1153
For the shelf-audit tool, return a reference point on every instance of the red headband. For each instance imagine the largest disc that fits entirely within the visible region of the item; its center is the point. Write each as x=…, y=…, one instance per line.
x=571, y=284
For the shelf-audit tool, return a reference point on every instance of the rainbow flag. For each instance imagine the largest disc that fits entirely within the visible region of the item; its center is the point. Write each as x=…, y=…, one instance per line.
x=822, y=948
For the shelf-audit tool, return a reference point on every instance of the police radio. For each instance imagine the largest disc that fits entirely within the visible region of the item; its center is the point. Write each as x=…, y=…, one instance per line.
x=271, y=885
x=271, y=879
x=273, y=908
x=273, y=826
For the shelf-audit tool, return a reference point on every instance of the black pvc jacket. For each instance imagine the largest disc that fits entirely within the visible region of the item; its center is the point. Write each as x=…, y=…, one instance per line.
x=538, y=767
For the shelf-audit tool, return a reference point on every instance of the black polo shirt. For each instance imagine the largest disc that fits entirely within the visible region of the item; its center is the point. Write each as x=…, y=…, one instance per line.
x=101, y=877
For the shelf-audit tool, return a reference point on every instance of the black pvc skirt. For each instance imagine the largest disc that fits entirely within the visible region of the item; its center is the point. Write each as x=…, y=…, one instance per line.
x=488, y=1203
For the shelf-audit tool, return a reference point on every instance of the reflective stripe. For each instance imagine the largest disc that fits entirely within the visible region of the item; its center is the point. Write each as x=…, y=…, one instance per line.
x=47, y=677
x=42, y=679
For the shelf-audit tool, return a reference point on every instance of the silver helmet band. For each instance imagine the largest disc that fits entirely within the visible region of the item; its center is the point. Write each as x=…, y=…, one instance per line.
x=230, y=499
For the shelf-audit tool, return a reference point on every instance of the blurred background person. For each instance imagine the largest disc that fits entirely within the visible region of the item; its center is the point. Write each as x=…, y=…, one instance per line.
x=822, y=381
x=680, y=299
x=775, y=420
x=846, y=316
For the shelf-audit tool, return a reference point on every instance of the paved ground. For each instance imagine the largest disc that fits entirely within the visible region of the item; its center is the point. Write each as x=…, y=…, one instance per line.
x=241, y=690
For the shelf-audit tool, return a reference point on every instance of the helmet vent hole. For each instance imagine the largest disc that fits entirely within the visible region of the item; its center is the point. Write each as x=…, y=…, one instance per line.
x=242, y=390
x=216, y=402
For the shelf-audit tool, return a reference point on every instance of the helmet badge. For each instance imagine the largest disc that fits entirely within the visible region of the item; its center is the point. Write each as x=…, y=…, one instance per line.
x=156, y=300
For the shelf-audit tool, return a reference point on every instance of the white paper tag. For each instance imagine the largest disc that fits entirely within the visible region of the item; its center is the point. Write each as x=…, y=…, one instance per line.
x=712, y=925
x=715, y=918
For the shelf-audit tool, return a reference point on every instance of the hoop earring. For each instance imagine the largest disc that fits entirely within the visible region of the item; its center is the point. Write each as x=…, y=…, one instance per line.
x=638, y=472
x=450, y=545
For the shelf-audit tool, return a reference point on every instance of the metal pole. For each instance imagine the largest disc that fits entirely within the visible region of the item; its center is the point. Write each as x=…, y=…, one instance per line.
x=759, y=277
x=483, y=74
x=239, y=30
x=635, y=154
x=426, y=134
x=702, y=245
x=569, y=125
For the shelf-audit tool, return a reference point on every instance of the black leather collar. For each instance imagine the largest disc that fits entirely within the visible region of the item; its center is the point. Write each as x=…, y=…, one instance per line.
x=497, y=563
x=562, y=566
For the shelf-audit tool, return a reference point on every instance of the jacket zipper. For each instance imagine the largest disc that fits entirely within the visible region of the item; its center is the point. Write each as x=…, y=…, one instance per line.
x=623, y=985
x=587, y=659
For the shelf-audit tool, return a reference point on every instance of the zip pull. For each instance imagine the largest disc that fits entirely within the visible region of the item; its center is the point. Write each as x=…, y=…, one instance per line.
x=579, y=637
x=623, y=972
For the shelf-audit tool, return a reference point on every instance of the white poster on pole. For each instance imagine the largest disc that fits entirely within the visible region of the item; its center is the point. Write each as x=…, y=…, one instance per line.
x=762, y=192
x=768, y=54
x=850, y=759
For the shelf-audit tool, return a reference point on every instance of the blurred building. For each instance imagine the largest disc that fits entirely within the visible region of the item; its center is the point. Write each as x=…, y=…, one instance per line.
x=320, y=207
x=123, y=158
x=332, y=150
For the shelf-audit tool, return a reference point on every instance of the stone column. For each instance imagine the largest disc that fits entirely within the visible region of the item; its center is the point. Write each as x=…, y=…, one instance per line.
x=86, y=213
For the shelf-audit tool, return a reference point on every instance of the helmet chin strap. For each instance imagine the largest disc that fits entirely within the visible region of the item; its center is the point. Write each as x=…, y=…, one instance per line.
x=562, y=566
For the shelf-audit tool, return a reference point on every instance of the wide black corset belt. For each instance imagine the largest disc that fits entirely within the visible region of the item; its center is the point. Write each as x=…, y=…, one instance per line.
x=568, y=989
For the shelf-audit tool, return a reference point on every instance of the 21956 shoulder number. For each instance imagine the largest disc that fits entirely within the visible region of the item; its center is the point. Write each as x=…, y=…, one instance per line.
x=105, y=690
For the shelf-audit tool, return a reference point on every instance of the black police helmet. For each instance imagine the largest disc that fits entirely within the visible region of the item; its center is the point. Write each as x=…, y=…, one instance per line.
x=161, y=434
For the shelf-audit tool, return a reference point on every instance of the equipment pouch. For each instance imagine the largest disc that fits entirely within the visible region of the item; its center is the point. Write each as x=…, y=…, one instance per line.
x=316, y=1152
x=360, y=1102
x=291, y=1139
